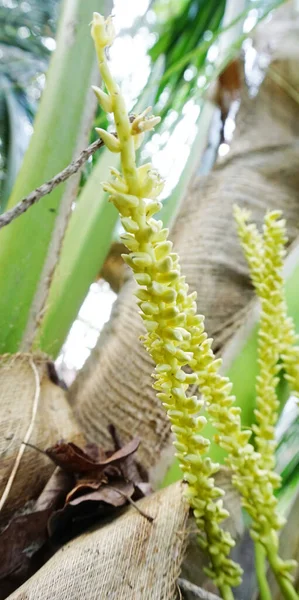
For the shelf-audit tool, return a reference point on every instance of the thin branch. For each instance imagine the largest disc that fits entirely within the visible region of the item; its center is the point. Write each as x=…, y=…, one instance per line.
x=141, y=512
x=179, y=591
x=27, y=436
x=197, y=592
x=48, y=187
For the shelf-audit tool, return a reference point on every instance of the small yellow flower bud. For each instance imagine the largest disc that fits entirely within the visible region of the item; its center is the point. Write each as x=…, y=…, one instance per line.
x=129, y=225
x=109, y=139
x=149, y=308
x=141, y=259
x=163, y=249
x=152, y=208
x=143, y=123
x=102, y=31
x=104, y=100
x=165, y=265
x=130, y=241
x=165, y=294
x=138, y=119
x=138, y=140
x=143, y=279
x=122, y=200
x=151, y=184
x=149, y=123
x=169, y=313
x=151, y=326
x=142, y=294
x=168, y=277
x=161, y=235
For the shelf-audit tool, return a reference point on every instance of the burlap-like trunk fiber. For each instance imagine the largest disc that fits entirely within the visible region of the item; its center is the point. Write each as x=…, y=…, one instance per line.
x=127, y=559
x=54, y=421
x=261, y=172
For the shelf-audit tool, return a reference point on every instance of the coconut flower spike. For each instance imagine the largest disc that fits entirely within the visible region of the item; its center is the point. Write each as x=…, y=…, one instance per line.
x=169, y=315
x=254, y=248
x=252, y=476
x=272, y=341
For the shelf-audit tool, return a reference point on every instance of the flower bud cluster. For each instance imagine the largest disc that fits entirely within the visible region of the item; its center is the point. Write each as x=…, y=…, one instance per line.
x=265, y=259
x=173, y=334
x=102, y=30
x=276, y=336
x=251, y=480
x=269, y=289
x=173, y=329
x=290, y=356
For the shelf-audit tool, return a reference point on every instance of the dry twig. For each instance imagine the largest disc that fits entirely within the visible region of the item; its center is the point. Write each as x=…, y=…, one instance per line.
x=48, y=187
x=197, y=592
x=141, y=512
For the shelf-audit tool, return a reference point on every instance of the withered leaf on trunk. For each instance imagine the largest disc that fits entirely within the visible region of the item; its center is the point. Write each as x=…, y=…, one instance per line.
x=26, y=533
x=71, y=458
x=55, y=490
x=88, y=484
x=95, y=452
x=20, y=539
x=129, y=466
x=108, y=494
x=85, y=486
x=80, y=512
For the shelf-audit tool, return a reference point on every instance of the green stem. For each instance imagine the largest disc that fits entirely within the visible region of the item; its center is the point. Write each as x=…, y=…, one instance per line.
x=226, y=592
x=286, y=587
x=260, y=568
x=122, y=124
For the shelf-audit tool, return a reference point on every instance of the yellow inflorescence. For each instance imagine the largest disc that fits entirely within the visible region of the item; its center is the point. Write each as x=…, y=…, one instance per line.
x=174, y=331
x=276, y=337
x=265, y=256
x=176, y=340
x=267, y=265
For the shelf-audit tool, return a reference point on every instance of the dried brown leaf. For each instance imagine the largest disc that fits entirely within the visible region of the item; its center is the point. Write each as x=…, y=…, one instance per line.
x=88, y=484
x=71, y=458
x=108, y=494
x=129, y=466
x=82, y=511
x=95, y=452
x=25, y=534
x=55, y=490
x=84, y=486
x=21, y=539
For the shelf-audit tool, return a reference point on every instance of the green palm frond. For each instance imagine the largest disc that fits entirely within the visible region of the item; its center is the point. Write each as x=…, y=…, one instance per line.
x=185, y=42
x=27, y=25
x=27, y=32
